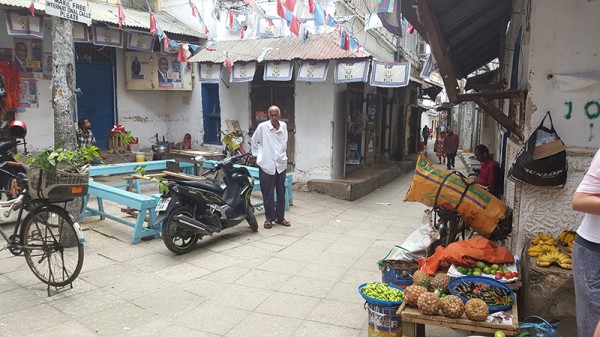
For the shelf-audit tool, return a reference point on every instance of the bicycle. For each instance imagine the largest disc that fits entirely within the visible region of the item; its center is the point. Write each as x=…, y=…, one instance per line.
x=45, y=233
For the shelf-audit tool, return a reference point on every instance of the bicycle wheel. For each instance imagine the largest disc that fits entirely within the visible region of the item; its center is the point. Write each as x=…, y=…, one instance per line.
x=52, y=245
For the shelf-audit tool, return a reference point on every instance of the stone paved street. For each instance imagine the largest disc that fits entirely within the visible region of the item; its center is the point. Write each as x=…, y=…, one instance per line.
x=296, y=281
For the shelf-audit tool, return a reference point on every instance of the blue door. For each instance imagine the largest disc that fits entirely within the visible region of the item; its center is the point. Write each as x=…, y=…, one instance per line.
x=96, y=101
x=211, y=110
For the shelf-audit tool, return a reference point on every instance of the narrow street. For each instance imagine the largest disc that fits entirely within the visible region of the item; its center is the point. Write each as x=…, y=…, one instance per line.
x=296, y=281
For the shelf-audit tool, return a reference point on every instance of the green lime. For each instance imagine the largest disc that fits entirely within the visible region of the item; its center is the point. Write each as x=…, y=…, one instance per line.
x=480, y=265
x=477, y=273
x=487, y=270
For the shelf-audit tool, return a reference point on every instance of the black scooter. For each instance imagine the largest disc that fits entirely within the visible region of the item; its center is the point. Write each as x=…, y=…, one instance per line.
x=192, y=209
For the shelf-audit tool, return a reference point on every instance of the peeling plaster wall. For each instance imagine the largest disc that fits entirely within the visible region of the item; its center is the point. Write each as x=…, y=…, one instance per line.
x=168, y=113
x=235, y=104
x=544, y=209
x=314, y=108
x=40, y=120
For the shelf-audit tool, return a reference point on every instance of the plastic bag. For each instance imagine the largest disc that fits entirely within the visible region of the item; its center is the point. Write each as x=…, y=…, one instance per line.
x=540, y=329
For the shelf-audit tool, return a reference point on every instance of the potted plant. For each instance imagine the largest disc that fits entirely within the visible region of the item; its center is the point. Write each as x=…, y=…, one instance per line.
x=59, y=172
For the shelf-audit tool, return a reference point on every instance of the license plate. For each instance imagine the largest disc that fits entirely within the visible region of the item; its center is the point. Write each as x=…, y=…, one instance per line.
x=162, y=205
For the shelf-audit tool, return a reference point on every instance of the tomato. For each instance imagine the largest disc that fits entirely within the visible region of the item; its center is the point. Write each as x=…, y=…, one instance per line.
x=515, y=274
x=508, y=275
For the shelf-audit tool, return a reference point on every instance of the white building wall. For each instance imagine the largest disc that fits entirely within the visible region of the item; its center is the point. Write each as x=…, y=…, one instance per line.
x=168, y=113
x=314, y=109
x=564, y=48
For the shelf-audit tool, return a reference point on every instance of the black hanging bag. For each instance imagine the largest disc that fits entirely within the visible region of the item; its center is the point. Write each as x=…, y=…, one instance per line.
x=543, y=159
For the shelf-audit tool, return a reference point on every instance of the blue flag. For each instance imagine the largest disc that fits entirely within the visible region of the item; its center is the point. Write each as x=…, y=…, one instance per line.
x=319, y=15
x=353, y=43
x=331, y=21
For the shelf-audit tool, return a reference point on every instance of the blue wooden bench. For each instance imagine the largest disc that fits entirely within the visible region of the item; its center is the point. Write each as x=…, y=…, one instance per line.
x=144, y=204
x=119, y=194
x=254, y=173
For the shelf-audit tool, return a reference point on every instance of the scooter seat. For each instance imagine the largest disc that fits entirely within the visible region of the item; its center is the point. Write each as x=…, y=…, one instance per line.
x=203, y=185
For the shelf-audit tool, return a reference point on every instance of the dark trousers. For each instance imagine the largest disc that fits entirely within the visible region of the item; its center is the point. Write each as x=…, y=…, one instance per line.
x=269, y=185
x=450, y=162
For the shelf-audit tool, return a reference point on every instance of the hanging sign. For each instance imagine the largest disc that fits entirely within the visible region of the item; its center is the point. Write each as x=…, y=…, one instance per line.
x=80, y=33
x=243, y=71
x=429, y=66
x=347, y=71
x=74, y=10
x=210, y=72
x=141, y=42
x=17, y=24
x=278, y=71
x=105, y=36
x=313, y=71
x=390, y=74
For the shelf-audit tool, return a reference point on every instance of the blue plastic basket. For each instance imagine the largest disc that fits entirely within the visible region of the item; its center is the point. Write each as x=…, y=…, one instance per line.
x=483, y=280
x=376, y=301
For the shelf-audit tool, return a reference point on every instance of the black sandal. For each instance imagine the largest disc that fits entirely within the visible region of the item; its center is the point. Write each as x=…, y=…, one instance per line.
x=268, y=224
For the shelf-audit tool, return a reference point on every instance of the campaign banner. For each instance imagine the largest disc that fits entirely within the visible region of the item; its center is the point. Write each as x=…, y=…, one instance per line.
x=313, y=71
x=105, y=36
x=210, y=72
x=390, y=74
x=80, y=33
x=24, y=24
x=243, y=71
x=347, y=71
x=141, y=42
x=278, y=71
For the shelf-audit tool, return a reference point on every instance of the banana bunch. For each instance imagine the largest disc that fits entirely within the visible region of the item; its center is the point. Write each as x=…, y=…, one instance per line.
x=567, y=237
x=563, y=260
x=538, y=250
x=543, y=239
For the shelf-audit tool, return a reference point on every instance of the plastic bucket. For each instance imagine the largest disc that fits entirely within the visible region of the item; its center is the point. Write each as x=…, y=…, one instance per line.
x=383, y=321
x=140, y=156
x=397, y=272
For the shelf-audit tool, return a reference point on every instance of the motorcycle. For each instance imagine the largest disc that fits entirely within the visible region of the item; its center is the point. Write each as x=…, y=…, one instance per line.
x=193, y=209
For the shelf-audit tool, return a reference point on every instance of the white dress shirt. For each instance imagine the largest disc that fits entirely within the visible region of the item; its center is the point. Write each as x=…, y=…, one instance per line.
x=590, y=226
x=269, y=146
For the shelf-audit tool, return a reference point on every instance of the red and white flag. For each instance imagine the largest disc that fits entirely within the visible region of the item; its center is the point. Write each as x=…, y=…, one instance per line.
x=181, y=54
x=228, y=64
x=153, y=28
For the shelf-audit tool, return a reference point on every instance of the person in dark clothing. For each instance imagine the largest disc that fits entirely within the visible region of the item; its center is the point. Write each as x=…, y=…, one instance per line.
x=451, y=146
x=489, y=175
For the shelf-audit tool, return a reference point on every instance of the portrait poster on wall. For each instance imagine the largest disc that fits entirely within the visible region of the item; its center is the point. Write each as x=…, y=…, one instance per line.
x=139, y=70
x=169, y=72
x=47, y=66
x=28, y=95
x=28, y=55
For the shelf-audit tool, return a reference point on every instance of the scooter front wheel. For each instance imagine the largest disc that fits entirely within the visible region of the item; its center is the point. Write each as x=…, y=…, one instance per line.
x=251, y=219
x=178, y=239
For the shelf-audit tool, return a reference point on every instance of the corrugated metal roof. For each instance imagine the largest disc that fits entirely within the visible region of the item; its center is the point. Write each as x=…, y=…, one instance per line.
x=316, y=47
x=104, y=12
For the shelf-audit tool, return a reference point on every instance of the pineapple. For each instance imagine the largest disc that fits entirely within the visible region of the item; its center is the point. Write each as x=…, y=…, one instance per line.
x=476, y=310
x=429, y=304
x=452, y=306
x=421, y=278
x=412, y=293
x=440, y=282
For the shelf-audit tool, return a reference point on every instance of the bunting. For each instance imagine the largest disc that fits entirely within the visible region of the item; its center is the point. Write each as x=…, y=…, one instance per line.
x=290, y=5
x=319, y=15
x=32, y=7
x=311, y=6
x=121, y=15
x=228, y=64
x=153, y=28
x=295, y=26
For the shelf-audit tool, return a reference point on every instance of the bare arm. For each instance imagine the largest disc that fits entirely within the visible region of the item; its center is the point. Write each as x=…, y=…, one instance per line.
x=587, y=203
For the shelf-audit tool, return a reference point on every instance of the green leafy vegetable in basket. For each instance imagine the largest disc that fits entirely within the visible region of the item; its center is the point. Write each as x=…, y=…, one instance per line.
x=64, y=159
x=383, y=292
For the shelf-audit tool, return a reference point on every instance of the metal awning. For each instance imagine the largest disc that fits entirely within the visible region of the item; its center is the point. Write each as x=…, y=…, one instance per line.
x=315, y=47
x=108, y=13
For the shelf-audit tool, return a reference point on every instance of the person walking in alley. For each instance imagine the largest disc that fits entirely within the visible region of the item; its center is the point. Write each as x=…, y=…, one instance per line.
x=439, y=148
x=269, y=145
x=451, y=147
x=425, y=134
x=586, y=251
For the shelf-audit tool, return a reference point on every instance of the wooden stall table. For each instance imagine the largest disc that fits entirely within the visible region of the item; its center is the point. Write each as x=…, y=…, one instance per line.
x=413, y=322
x=189, y=155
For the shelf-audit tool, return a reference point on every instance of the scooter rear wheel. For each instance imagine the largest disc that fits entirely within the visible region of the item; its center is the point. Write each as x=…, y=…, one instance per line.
x=178, y=239
x=251, y=219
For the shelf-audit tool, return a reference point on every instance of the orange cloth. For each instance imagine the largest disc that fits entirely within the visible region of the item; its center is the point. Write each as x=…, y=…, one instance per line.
x=466, y=253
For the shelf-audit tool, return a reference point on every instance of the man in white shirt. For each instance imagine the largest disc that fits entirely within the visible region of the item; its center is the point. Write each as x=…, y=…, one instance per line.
x=269, y=145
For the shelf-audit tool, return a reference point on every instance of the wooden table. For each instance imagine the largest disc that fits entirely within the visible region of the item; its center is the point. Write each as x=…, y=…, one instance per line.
x=413, y=322
x=189, y=155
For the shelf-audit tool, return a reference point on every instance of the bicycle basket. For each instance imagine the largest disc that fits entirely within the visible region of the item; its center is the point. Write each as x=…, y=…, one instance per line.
x=57, y=185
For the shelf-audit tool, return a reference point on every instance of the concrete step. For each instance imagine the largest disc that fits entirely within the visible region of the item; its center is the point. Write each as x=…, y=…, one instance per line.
x=363, y=181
